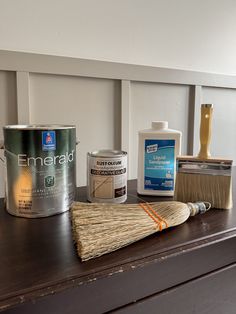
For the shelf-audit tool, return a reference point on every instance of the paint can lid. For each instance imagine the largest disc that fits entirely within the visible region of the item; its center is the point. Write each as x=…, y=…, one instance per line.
x=107, y=153
x=39, y=127
x=159, y=125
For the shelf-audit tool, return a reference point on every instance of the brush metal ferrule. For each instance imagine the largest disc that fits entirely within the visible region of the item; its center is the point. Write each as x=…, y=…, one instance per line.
x=223, y=168
x=207, y=105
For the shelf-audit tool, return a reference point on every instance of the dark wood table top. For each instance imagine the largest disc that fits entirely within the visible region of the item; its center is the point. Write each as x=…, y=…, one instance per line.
x=38, y=257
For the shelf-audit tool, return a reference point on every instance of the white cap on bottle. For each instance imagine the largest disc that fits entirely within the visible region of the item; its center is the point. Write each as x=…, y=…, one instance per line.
x=160, y=125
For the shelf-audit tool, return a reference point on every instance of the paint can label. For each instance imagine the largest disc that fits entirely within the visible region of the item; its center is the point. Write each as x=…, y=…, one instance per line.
x=107, y=179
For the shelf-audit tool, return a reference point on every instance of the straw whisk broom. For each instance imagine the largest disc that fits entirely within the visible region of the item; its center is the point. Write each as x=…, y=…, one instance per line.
x=102, y=228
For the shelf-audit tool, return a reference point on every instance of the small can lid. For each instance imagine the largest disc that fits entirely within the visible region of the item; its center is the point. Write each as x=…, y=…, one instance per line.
x=107, y=153
x=160, y=125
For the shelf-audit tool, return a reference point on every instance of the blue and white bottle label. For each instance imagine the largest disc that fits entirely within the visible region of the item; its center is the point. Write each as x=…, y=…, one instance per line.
x=159, y=165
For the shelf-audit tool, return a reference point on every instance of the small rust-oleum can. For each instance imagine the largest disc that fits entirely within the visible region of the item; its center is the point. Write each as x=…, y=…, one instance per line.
x=40, y=169
x=107, y=176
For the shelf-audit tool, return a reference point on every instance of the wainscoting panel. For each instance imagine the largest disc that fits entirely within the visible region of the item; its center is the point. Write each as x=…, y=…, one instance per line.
x=93, y=105
x=110, y=102
x=224, y=120
x=153, y=102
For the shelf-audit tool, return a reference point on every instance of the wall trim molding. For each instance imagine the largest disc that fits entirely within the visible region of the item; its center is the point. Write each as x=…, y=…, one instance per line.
x=23, y=101
x=51, y=64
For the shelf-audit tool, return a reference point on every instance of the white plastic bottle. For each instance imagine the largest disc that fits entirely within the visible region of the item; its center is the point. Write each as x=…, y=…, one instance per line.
x=158, y=148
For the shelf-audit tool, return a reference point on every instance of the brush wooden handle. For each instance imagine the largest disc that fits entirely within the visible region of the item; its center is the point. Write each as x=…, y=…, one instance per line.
x=205, y=131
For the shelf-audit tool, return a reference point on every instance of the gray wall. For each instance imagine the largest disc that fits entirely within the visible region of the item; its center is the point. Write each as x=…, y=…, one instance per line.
x=183, y=34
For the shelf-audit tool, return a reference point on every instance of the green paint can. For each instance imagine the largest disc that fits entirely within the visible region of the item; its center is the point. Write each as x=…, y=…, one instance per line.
x=40, y=169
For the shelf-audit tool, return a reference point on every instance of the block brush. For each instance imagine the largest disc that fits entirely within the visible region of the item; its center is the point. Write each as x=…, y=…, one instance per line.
x=204, y=177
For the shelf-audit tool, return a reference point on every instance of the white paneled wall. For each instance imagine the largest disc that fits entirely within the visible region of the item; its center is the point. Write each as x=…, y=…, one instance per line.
x=93, y=105
x=110, y=102
x=153, y=102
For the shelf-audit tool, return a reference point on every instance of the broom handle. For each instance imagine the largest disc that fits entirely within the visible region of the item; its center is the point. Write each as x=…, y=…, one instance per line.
x=205, y=131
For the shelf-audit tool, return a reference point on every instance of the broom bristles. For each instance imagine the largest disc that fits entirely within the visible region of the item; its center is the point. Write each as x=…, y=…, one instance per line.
x=102, y=228
x=215, y=189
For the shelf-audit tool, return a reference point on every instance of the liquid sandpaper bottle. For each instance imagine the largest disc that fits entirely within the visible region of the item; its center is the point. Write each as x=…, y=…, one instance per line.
x=158, y=149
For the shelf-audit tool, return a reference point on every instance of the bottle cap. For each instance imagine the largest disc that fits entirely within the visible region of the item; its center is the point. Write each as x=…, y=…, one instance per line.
x=160, y=125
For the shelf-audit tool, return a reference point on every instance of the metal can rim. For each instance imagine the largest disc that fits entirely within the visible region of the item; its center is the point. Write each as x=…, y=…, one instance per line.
x=107, y=153
x=38, y=127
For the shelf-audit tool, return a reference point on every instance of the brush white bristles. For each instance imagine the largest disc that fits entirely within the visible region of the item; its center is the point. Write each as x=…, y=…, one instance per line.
x=215, y=189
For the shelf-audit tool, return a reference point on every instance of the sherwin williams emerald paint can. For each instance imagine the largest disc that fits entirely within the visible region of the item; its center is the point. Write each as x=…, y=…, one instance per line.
x=40, y=169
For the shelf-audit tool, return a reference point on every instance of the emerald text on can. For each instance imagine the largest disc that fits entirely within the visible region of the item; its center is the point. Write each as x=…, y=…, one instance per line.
x=24, y=161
